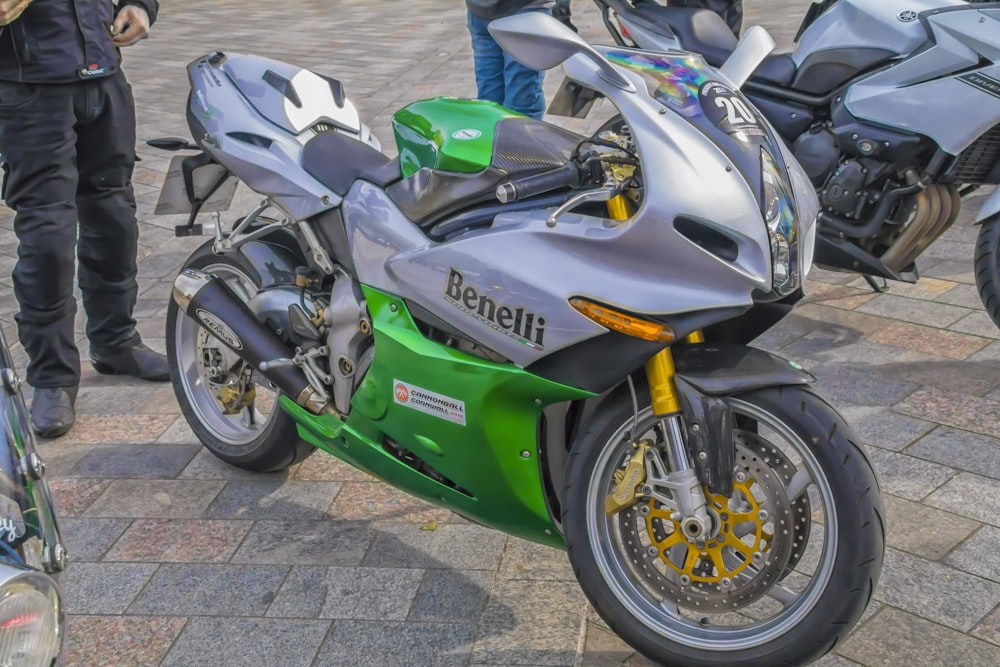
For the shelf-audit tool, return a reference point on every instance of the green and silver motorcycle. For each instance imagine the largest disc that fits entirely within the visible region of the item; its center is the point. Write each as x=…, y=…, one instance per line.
x=544, y=332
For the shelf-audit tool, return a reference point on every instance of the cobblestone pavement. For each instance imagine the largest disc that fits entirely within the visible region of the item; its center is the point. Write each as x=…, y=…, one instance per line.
x=180, y=560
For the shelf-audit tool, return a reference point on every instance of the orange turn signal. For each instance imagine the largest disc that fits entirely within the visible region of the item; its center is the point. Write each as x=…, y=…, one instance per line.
x=622, y=323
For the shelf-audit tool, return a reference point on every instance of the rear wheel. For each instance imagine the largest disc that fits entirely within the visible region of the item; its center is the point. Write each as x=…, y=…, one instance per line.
x=230, y=407
x=988, y=266
x=793, y=557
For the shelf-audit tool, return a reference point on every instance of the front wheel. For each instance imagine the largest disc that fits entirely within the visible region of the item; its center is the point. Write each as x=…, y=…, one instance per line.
x=792, y=559
x=988, y=266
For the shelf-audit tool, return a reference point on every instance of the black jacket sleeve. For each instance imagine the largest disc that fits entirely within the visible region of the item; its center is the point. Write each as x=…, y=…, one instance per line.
x=152, y=7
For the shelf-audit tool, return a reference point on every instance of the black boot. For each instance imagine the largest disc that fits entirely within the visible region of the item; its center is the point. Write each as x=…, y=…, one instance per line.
x=138, y=361
x=53, y=411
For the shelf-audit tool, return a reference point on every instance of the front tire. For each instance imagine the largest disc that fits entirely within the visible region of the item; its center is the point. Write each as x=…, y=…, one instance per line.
x=987, y=266
x=705, y=605
x=259, y=438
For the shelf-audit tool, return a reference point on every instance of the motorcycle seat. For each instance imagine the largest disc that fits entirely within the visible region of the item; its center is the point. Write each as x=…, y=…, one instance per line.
x=338, y=160
x=521, y=147
x=705, y=32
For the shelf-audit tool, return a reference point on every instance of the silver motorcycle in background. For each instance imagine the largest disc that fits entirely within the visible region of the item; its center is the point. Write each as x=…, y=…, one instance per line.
x=892, y=107
x=32, y=555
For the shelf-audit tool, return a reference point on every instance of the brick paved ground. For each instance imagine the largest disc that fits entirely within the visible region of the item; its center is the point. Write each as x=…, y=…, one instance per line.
x=180, y=560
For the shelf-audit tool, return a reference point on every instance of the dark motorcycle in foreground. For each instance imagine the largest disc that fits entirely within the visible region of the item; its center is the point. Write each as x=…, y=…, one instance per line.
x=32, y=555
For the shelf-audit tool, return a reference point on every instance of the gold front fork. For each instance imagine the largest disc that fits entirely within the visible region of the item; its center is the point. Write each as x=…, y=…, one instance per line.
x=660, y=369
x=660, y=372
x=692, y=514
x=618, y=208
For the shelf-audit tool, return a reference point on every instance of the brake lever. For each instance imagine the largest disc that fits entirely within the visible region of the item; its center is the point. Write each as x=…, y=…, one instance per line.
x=602, y=194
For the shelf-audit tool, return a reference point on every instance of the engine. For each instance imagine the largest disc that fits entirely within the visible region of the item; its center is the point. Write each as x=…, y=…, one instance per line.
x=844, y=194
x=331, y=335
x=817, y=151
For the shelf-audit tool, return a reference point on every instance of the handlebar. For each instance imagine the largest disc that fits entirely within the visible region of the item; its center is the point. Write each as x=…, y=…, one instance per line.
x=569, y=175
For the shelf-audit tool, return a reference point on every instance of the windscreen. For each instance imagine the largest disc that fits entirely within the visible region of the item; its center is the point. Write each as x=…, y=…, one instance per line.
x=686, y=84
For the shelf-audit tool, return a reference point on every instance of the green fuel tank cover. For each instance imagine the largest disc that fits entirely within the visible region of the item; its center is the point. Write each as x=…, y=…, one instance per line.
x=447, y=134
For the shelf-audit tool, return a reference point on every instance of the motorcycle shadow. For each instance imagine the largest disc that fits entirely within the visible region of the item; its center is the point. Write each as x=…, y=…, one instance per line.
x=373, y=556
x=851, y=364
x=443, y=582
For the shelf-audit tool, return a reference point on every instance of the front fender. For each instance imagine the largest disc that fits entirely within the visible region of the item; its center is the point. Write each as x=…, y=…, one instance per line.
x=719, y=369
x=707, y=376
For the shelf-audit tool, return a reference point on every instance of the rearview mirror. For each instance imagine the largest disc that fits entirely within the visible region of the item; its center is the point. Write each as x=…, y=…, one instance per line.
x=540, y=42
x=755, y=45
x=171, y=144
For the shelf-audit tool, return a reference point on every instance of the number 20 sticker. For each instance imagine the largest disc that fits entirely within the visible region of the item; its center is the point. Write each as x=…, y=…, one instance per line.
x=729, y=112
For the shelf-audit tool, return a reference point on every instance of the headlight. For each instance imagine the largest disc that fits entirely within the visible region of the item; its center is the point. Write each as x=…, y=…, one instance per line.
x=806, y=208
x=779, y=214
x=31, y=619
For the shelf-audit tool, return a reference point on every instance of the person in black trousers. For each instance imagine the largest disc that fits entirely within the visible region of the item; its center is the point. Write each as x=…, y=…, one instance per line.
x=67, y=136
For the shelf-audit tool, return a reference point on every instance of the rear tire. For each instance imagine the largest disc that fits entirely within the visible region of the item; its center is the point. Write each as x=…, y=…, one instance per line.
x=268, y=447
x=987, y=266
x=668, y=632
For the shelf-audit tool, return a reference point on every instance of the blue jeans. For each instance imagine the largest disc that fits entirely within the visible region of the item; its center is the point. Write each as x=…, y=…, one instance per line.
x=500, y=78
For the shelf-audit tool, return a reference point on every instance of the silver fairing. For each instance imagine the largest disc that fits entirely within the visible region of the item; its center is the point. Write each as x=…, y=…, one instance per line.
x=645, y=266
x=239, y=115
x=508, y=287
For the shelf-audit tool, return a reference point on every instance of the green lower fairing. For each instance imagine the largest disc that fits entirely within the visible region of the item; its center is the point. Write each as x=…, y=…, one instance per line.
x=493, y=456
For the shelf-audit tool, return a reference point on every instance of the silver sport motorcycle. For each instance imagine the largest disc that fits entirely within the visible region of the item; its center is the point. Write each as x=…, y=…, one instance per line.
x=543, y=332
x=892, y=108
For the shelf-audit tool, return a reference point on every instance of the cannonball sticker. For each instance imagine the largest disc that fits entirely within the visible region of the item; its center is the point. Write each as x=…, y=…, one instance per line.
x=729, y=112
x=219, y=329
x=430, y=403
x=466, y=134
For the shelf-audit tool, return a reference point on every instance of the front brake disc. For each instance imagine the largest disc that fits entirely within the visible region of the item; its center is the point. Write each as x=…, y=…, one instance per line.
x=747, y=554
x=801, y=507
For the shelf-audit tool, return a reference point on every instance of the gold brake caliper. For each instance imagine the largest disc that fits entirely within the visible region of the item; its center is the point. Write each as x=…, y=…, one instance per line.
x=628, y=480
x=235, y=398
x=711, y=553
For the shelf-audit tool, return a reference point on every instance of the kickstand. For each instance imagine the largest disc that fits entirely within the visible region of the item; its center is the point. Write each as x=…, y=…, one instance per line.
x=874, y=284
